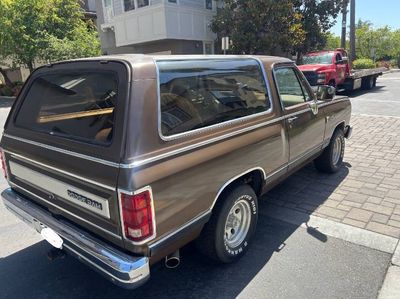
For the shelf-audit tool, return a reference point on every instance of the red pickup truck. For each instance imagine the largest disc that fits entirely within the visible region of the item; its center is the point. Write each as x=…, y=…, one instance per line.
x=332, y=68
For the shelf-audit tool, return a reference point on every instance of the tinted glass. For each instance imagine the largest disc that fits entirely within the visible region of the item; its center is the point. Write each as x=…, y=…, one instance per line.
x=289, y=87
x=72, y=105
x=200, y=93
x=318, y=59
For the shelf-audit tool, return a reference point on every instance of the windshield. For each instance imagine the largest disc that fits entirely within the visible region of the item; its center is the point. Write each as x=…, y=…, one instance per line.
x=318, y=59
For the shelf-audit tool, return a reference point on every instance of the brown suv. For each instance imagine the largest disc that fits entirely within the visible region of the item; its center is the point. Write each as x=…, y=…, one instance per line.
x=122, y=160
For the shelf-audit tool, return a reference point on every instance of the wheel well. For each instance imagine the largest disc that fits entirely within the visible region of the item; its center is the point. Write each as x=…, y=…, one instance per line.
x=339, y=126
x=253, y=178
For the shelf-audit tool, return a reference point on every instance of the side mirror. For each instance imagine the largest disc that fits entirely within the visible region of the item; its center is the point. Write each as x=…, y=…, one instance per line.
x=325, y=92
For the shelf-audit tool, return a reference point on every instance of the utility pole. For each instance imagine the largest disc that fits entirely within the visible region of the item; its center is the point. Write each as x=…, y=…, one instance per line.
x=344, y=24
x=352, y=30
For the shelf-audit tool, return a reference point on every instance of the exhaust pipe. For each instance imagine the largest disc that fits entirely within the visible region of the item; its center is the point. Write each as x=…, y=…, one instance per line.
x=173, y=260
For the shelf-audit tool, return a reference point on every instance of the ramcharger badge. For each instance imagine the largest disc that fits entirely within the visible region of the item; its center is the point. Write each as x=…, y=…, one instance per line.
x=61, y=190
x=85, y=200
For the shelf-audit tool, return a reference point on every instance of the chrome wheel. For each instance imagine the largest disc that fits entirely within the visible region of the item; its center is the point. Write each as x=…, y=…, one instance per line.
x=337, y=151
x=237, y=223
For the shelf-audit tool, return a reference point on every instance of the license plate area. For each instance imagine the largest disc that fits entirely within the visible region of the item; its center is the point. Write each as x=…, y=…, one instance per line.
x=52, y=237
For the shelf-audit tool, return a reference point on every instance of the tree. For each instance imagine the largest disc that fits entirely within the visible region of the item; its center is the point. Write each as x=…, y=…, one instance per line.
x=318, y=16
x=331, y=41
x=45, y=30
x=268, y=26
x=259, y=26
x=374, y=43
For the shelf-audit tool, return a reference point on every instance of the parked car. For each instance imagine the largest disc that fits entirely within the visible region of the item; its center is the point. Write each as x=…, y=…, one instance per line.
x=333, y=68
x=122, y=160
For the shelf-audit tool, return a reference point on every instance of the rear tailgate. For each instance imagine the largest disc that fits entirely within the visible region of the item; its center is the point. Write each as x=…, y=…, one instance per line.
x=63, y=142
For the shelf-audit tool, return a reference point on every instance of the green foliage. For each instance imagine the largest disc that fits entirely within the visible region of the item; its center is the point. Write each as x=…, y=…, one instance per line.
x=363, y=63
x=268, y=27
x=45, y=30
x=6, y=91
x=318, y=16
x=331, y=41
x=259, y=26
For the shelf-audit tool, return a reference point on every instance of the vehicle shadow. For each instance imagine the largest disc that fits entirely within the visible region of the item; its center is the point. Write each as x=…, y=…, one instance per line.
x=28, y=273
x=360, y=92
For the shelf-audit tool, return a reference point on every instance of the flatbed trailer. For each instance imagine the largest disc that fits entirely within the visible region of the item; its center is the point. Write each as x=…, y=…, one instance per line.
x=333, y=68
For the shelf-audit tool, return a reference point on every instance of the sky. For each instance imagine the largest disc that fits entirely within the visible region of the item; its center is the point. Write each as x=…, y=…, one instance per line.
x=379, y=12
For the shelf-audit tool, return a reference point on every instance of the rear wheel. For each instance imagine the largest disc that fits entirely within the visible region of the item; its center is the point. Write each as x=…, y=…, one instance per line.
x=225, y=238
x=368, y=82
x=332, y=157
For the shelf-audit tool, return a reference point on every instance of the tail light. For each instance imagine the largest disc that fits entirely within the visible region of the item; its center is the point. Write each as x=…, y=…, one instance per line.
x=3, y=163
x=137, y=215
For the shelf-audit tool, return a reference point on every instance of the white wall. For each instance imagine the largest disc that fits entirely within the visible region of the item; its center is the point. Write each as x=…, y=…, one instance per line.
x=162, y=20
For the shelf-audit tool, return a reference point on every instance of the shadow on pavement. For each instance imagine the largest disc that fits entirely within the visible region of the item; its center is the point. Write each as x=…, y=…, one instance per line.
x=360, y=92
x=28, y=273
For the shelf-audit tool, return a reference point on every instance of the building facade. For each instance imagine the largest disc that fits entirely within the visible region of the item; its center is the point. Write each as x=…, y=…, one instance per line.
x=156, y=26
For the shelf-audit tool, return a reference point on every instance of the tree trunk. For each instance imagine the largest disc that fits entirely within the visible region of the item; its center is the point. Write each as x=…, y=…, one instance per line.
x=30, y=66
x=299, y=57
x=7, y=80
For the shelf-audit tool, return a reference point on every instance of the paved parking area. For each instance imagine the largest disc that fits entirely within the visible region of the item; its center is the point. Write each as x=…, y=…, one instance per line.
x=366, y=192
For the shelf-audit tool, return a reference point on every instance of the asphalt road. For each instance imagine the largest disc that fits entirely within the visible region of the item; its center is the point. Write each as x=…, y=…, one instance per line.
x=384, y=99
x=284, y=261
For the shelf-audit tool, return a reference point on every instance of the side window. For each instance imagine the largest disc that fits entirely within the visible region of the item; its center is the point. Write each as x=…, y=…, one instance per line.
x=289, y=87
x=199, y=93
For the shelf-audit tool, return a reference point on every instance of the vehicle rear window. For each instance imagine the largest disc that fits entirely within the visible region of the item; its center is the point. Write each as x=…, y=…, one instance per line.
x=199, y=93
x=75, y=105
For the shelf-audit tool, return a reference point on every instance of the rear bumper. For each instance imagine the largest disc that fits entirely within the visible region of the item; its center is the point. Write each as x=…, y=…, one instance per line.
x=122, y=269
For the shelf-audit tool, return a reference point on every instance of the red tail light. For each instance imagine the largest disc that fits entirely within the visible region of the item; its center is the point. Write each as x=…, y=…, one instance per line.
x=137, y=215
x=3, y=163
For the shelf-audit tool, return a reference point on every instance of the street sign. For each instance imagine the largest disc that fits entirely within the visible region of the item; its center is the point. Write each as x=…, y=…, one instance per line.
x=225, y=44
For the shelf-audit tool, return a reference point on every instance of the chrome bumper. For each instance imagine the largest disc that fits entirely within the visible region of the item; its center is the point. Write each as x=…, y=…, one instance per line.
x=122, y=269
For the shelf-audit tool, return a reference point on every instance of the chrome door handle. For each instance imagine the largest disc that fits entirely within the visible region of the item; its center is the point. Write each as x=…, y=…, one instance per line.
x=292, y=119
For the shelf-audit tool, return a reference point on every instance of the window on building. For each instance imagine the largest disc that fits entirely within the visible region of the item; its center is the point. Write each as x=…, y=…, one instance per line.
x=208, y=4
x=199, y=93
x=172, y=1
x=129, y=5
x=142, y=3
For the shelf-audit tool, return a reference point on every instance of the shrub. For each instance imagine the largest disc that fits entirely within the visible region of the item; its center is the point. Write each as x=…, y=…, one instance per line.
x=395, y=63
x=6, y=91
x=363, y=63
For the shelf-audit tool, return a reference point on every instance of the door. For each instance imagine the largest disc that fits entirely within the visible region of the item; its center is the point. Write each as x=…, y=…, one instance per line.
x=305, y=124
x=340, y=69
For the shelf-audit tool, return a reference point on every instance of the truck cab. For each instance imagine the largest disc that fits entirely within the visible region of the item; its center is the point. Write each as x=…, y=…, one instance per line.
x=326, y=67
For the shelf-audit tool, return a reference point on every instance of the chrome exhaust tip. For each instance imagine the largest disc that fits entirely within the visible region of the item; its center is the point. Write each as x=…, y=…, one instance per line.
x=173, y=260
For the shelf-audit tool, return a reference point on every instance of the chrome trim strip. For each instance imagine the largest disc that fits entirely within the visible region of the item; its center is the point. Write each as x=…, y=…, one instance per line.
x=223, y=124
x=202, y=143
x=66, y=211
x=66, y=152
x=129, y=270
x=69, y=193
x=23, y=158
x=153, y=236
x=170, y=235
x=334, y=101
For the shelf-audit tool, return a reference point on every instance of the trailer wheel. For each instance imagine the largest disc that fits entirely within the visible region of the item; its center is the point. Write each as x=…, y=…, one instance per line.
x=368, y=82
